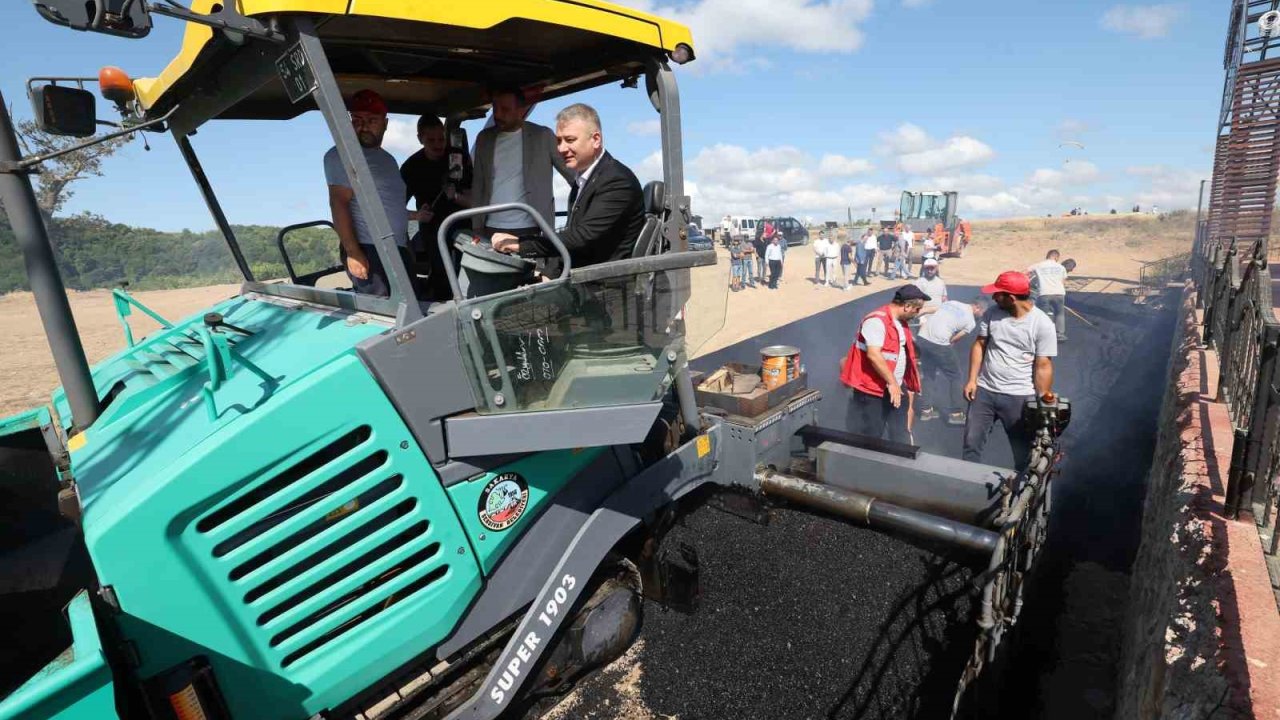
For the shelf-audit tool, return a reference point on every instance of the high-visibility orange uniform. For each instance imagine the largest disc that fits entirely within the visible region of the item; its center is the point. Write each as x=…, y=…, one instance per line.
x=962, y=230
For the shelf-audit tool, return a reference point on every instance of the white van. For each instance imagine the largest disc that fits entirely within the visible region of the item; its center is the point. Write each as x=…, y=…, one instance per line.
x=743, y=228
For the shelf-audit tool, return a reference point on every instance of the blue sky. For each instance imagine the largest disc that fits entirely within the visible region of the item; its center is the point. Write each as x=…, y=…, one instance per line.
x=796, y=107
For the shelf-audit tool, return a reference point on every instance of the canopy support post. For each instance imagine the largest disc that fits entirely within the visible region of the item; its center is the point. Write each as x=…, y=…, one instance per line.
x=328, y=97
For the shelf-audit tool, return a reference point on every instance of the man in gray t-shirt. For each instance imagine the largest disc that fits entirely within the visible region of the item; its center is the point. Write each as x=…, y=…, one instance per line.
x=1010, y=363
x=1051, y=279
x=359, y=253
x=949, y=325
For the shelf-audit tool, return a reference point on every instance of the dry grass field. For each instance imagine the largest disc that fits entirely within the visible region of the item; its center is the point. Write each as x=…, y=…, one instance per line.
x=1109, y=249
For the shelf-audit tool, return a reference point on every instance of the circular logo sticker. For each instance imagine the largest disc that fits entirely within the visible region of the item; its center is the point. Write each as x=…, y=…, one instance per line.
x=503, y=501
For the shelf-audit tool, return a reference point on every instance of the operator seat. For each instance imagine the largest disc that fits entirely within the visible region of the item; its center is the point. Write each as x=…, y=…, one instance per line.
x=648, y=241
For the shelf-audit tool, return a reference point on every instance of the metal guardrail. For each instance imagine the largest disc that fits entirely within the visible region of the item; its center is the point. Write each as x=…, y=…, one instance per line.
x=1158, y=273
x=1240, y=324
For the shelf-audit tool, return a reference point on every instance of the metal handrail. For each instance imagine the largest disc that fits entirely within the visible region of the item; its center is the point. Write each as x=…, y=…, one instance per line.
x=1240, y=324
x=442, y=238
x=310, y=278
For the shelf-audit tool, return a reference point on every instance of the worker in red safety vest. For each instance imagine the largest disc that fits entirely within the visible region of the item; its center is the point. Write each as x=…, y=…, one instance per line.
x=880, y=364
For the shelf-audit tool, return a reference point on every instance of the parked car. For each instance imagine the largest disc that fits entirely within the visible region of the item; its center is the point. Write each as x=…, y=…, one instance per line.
x=698, y=240
x=793, y=231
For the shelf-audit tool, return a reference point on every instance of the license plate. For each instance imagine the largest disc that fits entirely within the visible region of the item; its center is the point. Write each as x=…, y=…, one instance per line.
x=296, y=74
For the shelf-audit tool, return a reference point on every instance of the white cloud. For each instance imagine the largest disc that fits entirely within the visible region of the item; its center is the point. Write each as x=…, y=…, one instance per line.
x=645, y=127
x=1055, y=191
x=723, y=28
x=1144, y=21
x=1168, y=187
x=919, y=154
x=1078, y=172
x=733, y=180
x=957, y=152
x=401, y=139
x=781, y=169
x=1118, y=203
x=964, y=184
x=866, y=196
x=841, y=166
x=650, y=168
x=906, y=138
x=732, y=64
x=729, y=179
x=1001, y=204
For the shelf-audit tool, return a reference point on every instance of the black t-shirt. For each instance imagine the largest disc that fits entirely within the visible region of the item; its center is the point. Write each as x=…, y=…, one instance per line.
x=424, y=182
x=886, y=241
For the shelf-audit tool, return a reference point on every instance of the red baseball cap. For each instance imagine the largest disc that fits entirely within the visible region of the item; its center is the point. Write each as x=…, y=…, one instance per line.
x=367, y=101
x=1010, y=281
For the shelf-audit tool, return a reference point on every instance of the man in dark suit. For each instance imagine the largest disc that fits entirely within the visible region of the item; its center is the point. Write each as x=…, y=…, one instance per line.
x=606, y=205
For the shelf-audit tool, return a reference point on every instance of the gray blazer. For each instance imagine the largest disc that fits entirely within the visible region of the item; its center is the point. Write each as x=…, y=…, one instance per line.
x=539, y=157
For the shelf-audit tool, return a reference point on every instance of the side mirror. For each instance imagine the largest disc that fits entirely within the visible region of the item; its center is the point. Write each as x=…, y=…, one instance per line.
x=123, y=18
x=63, y=110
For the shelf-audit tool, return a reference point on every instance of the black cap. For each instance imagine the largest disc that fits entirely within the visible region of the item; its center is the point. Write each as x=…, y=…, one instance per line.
x=907, y=293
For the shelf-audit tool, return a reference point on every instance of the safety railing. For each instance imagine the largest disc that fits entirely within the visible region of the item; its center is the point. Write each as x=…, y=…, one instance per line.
x=1158, y=273
x=1202, y=260
x=1240, y=323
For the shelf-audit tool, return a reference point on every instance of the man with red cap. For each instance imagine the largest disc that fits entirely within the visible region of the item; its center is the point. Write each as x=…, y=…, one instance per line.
x=359, y=252
x=880, y=364
x=1010, y=363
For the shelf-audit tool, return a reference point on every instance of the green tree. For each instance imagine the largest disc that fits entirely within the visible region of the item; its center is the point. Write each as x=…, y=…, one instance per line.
x=53, y=184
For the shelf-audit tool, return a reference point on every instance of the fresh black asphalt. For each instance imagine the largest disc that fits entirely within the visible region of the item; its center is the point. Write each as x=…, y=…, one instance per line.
x=809, y=617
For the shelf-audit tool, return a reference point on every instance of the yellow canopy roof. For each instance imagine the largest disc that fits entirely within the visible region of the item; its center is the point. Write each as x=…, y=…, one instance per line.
x=431, y=55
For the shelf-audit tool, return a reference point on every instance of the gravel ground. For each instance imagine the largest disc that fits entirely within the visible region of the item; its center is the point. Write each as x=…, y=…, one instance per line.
x=803, y=618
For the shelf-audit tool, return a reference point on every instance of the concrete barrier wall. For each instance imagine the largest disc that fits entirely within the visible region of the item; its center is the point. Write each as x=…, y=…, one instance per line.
x=1194, y=645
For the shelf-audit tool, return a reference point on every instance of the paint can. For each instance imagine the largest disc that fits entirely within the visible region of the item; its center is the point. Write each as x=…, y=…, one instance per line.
x=780, y=364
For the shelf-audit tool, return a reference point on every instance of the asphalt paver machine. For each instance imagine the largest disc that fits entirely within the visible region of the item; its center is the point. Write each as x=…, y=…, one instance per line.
x=308, y=503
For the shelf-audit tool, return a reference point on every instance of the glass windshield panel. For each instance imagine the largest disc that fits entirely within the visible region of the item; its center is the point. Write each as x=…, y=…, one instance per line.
x=560, y=345
x=708, y=303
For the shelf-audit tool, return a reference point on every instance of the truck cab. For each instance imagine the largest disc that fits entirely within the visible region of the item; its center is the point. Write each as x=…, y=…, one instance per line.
x=933, y=213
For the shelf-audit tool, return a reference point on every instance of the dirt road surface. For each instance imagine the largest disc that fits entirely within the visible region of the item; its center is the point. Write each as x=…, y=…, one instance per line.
x=1108, y=248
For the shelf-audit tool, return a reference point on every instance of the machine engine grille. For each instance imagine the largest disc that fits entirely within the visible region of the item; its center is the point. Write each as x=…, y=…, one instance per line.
x=323, y=545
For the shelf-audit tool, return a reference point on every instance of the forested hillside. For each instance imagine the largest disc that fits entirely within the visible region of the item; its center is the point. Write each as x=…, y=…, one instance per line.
x=94, y=252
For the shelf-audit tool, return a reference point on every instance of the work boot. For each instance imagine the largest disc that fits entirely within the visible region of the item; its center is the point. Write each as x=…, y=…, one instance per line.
x=928, y=414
